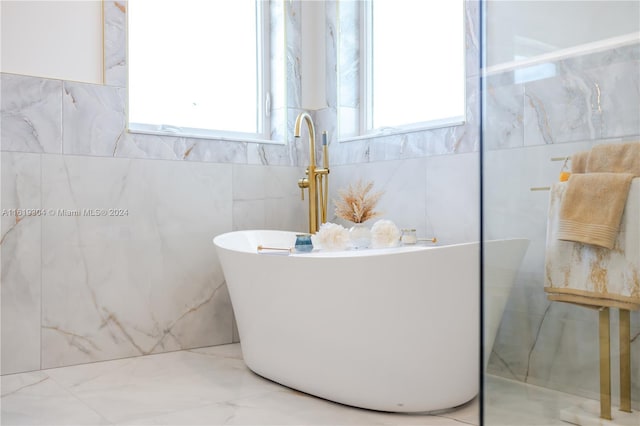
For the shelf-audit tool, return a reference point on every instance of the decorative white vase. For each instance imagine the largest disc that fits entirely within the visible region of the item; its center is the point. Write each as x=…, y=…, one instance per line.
x=360, y=236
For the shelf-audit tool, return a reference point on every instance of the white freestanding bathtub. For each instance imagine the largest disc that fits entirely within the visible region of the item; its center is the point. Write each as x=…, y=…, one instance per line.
x=385, y=329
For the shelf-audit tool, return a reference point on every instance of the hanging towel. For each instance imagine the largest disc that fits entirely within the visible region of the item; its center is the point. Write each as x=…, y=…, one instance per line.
x=591, y=275
x=592, y=208
x=579, y=162
x=615, y=158
x=596, y=193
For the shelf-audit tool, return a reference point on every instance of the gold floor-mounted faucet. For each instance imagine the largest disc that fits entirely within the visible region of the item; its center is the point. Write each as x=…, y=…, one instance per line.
x=317, y=179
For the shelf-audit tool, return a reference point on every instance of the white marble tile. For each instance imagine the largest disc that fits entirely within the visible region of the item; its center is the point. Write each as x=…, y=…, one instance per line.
x=618, y=89
x=115, y=43
x=503, y=115
x=31, y=112
x=331, y=36
x=93, y=118
x=249, y=214
x=248, y=182
x=268, y=198
x=583, y=104
x=138, y=145
x=293, y=46
x=325, y=120
x=283, y=181
x=211, y=386
x=584, y=97
x=276, y=154
x=36, y=399
x=588, y=414
x=136, y=388
x=144, y=282
x=452, y=197
x=299, y=146
x=621, y=54
x=389, y=147
x=472, y=37
x=288, y=213
x=403, y=183
x=215, y=151
x=509, y=403
x=289, y=407
x=352, y=152
x=20, y=246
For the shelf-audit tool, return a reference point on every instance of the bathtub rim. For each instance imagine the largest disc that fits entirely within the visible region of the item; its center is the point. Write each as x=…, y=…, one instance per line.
x=223, y=241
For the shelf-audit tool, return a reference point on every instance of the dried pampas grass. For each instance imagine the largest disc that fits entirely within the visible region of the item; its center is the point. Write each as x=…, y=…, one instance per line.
x=357, y=204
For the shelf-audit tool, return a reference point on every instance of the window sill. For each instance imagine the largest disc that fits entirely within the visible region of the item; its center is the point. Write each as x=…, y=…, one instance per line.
x=201, y=134
x=418, y=127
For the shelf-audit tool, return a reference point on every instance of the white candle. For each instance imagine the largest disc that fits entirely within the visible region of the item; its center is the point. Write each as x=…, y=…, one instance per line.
x=409, y=236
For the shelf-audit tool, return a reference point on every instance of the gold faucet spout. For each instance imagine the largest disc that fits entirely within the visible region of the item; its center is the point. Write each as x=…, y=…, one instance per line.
x=315, y=176
x=312, y=134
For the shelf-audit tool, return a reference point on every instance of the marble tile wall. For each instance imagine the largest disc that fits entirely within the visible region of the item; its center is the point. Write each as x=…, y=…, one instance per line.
x=142, y=281
x=21, y=260
x=437, y=195
x=37, y=112
x=78, y=288
x=593, y=96
x=532, y=115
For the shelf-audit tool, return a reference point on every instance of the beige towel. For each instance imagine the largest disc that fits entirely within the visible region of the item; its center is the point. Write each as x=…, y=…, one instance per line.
x=615, y=158
x=579, y=162
x=592, y=208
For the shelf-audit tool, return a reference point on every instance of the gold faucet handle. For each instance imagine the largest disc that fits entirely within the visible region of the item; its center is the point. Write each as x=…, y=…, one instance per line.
x=303, y=183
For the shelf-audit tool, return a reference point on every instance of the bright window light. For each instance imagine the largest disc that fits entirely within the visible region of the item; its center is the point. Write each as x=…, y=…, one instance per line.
x=417, y=63
x=195, y=65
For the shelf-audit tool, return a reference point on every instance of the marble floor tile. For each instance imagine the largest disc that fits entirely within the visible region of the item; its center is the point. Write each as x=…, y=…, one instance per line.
x=288, y=407
x=511, y=403
x=149, y=386
x=36, y=399
x=212, y=386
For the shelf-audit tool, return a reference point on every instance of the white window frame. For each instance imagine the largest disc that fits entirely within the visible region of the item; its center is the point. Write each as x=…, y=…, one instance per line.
x=366, y=86
x=263, y=115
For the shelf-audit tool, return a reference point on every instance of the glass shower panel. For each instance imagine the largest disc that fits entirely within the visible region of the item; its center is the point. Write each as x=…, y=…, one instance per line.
x=558, y=77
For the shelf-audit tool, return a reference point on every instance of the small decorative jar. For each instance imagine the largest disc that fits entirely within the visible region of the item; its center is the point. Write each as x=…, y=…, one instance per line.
x=408, y=237
x=360, y=236
x=303, y=243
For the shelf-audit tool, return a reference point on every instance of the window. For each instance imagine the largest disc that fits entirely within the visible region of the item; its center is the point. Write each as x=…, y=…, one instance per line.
x=199, y=68
x=413, y=65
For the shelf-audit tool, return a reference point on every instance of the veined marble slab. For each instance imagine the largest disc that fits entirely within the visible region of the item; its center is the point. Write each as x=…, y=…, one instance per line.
x=93, y=119
x=115, y=67
x=20, y=248
x=141, y=275
x=31, y=112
